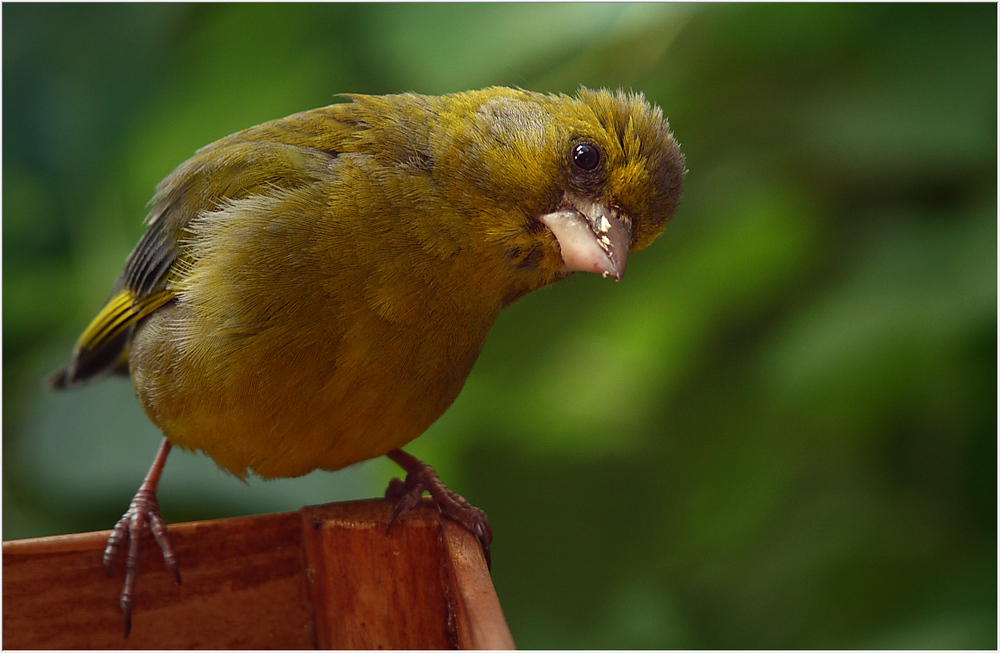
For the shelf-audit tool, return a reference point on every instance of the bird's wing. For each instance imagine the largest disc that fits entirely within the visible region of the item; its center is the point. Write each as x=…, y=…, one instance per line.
x=283, y=154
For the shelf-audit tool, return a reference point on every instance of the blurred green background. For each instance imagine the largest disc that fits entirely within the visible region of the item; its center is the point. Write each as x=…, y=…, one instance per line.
x=778, y=431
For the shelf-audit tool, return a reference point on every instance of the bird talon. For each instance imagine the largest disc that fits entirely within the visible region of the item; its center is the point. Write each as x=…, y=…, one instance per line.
x=406, y=495
x=126, y=608
x=144, y=510
x=113, y=546
x=420, y=478
x=396, y=489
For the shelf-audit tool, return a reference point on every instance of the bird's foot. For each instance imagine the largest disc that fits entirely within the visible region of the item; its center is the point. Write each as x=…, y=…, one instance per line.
x=142, y=511
x=420, y=478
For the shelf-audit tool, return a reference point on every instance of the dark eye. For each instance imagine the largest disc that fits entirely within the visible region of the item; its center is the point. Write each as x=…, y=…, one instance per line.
x=586, y=156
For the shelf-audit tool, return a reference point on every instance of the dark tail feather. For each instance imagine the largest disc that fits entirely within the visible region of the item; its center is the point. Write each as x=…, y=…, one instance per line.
x=87, y=365
x=59, y=380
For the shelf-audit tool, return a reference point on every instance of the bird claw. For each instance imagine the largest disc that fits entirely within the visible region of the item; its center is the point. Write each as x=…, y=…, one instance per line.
x=420, y=478
x=142, y=511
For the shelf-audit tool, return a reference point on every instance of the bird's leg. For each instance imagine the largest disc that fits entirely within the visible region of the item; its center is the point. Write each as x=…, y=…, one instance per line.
x=143, y=509
x=420, y=477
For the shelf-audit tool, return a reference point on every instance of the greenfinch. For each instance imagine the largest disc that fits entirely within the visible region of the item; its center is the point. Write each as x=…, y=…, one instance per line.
x=313, y=291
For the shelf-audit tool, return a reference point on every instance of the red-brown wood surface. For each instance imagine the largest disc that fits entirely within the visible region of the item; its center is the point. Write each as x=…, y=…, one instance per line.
x=480, y=620
x=326, y=576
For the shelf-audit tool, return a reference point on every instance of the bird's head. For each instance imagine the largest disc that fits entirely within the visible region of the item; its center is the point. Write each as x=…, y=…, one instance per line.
x=561, y=184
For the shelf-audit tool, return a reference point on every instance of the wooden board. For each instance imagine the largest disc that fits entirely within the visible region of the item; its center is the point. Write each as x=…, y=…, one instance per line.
x=323, y=577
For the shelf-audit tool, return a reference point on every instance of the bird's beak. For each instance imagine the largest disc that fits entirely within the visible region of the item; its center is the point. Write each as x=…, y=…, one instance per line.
x=592, y=237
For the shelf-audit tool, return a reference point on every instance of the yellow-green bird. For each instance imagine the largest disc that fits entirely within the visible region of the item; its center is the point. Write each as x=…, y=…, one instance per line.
x=313, y=291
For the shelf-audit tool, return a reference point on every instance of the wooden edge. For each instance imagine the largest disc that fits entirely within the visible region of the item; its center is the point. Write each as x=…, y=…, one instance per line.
x=57, y=543
x=477, y=604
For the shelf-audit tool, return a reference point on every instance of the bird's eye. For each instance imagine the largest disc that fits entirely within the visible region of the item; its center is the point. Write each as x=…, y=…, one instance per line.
x=586, y=156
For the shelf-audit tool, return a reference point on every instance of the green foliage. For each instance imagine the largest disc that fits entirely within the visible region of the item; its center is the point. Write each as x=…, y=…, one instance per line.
x=778, y=431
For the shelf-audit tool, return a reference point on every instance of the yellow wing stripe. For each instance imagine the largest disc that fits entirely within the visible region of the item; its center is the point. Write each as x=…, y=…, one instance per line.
x=121, y=312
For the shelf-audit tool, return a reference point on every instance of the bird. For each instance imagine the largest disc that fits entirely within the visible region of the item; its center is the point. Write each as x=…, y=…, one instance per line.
x=313, y=291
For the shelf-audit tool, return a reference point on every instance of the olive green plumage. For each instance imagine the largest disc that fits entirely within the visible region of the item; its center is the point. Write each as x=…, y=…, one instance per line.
x=313, y=291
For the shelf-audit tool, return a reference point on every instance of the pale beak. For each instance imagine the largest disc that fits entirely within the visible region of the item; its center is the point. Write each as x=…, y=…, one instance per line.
x=592, y=237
